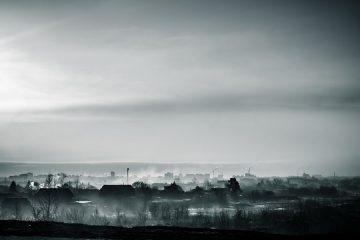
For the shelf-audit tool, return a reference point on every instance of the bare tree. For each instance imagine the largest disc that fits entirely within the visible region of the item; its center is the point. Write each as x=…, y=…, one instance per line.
x=98, y=219
x=75, y=215
x=49, y=180
x=180, y=214
x=77, y=181
x=165, y=213
x=13, y=188
x=62, y=177
x=241, y=219
x=45, y=207
x=12, y=211
x=142, y=217
x=36, y=212
x=154, y=209
x=17, y=211
x=222, y=219
x=121, y=219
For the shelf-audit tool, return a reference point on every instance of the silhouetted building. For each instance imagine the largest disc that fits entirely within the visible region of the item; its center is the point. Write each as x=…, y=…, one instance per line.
x=116, y=191
x=21, y=177
x=58, y=194
x=198, y=191
x=112, y=174
x=87, y=193
x=173, y=188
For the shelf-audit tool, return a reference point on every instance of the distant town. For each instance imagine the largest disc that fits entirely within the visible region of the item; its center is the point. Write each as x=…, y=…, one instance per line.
x=187, y=181
x=246, y=201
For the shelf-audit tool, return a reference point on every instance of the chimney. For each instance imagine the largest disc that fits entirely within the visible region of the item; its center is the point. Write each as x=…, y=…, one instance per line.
x=127, y=176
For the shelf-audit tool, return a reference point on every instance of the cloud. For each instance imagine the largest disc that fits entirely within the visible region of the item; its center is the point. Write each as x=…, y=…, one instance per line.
x=183, y=80
x=125, y=57
x=40, y=29
x=210, y=104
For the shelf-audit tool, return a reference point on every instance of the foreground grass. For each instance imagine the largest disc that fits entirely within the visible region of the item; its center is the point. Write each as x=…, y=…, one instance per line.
x=12, y=229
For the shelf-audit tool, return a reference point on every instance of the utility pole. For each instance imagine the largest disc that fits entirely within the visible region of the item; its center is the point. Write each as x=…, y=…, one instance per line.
x=127, y=176
x=213, y=172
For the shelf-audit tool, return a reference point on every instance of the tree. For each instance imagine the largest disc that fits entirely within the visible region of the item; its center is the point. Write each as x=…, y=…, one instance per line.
x=45, y=207
x=62, y=177
x=98, y=219
x=234, y=187
x=198, y=190
x=173, y=188
x=49, y=180
x=17, y=211
x=278, y=181
x=121, y=219
x=180, y=214
x=155, y=210
x=142, y=217
x=66, y=185
x=142, y=187
x=144, y=190
x=75, y=215
x=76, y=182
x=28, y=186
x=12, y=187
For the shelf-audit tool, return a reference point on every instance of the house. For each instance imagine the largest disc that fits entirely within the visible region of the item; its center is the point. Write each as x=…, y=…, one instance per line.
x=57, y=194
x=173, y=188
x=21, y=177
x=116, y=191
x=87, y=194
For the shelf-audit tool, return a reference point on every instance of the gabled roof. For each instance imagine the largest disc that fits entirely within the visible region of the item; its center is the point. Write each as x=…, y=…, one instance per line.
x=117, y=188
x=62, y=194
x=117, y=191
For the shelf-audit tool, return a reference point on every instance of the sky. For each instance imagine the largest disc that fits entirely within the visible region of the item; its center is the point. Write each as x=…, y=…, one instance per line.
x=254, y=82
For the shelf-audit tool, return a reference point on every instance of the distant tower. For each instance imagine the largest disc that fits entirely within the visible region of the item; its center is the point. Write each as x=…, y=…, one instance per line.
x=127, y=176
x=112, y=174
x=213, y=171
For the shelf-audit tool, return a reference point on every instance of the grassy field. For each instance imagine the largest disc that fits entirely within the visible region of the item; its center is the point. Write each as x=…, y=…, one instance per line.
x=12, y=229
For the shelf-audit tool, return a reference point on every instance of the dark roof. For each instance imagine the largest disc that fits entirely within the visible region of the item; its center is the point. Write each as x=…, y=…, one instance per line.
x=60, y=194
x=87, y=193
x=117, y=191
x=173, y=188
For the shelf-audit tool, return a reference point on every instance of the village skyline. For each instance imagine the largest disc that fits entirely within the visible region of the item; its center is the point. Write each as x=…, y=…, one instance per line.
x=144, y=169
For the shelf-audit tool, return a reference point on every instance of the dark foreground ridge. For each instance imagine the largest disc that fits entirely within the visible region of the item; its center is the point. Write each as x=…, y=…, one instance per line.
x=66, y=230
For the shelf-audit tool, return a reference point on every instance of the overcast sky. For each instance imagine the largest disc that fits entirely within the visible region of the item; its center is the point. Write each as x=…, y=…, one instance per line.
x=182, y=81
